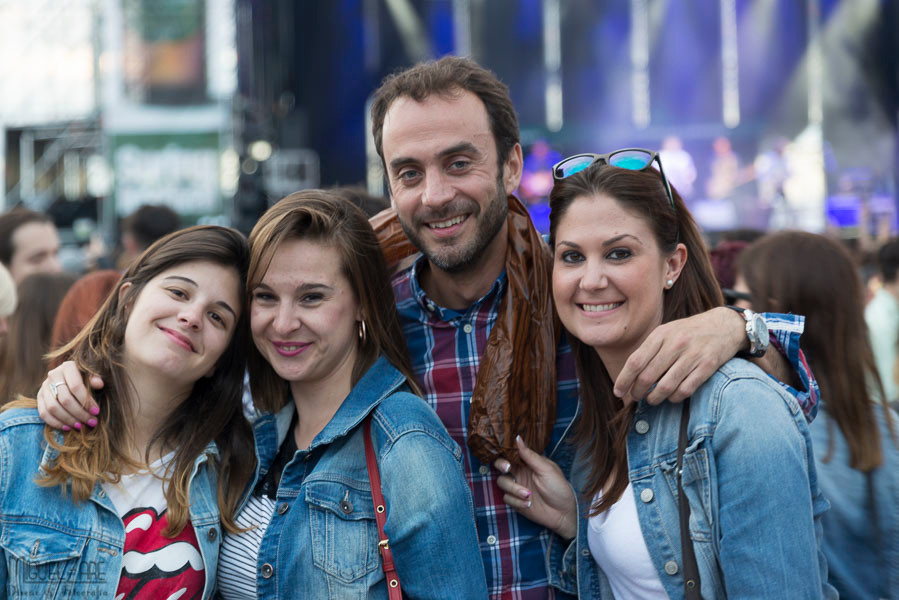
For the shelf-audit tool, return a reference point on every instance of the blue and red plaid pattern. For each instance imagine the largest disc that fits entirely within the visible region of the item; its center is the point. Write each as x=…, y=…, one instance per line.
x=445, y=347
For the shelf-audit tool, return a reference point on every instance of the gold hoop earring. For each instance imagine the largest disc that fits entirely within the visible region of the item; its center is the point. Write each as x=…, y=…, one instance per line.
x=363, y=334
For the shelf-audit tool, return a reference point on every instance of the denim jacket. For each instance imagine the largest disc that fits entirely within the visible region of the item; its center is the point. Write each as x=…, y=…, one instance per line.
x=53, y=548
x=857, y=566
x=749, y=476
x=322, y=541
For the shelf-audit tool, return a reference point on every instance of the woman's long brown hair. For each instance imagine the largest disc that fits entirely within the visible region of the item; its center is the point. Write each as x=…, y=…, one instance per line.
x=326, y=217
x=212, y=412
x=811, y=275
x=603, y=425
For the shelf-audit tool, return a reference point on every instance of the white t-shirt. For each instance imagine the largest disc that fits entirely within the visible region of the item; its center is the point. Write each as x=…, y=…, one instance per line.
x=617, y=545
x=154, y=566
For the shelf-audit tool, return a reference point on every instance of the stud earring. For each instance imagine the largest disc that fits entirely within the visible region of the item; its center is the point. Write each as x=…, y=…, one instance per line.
x=669, y=283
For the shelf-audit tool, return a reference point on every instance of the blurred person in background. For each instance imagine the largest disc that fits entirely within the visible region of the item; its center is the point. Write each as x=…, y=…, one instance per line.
x=679, y=166
x=7, y=304
x=855, y=435
x=81, y=303
x=30, y=328
x=882, y=318
x=29, y=243
x=143, y=227
x=358, y=195
x=724, y=262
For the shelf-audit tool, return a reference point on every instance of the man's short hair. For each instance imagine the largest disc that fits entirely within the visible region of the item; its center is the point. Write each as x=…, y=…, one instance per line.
x=150, y=222
x=10, y=222
x=447, y=76
x=888, y=260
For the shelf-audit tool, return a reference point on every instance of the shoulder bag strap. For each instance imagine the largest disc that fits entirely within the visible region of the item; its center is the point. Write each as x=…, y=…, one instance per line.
x=692, y=588
x=394, y=591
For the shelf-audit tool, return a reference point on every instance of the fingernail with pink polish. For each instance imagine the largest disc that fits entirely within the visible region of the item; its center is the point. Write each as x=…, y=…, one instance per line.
x=525, y=493
x=95, y=410
x=77, y=426
x=92, y=422
x=66, y=428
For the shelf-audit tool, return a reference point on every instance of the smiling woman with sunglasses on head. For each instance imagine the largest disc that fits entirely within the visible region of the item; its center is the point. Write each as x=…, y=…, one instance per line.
x=734, y=462
x=135, y=506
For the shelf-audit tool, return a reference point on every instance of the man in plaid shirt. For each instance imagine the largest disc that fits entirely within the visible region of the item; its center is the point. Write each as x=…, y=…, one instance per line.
x=448, y=138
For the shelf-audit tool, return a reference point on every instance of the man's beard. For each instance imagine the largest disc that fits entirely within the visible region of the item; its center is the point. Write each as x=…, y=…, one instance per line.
x=459, y=259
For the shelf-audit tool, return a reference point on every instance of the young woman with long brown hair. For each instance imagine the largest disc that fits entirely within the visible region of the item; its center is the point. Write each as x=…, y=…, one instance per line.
x=855, y=434
x=135, y=506
x=627, y=258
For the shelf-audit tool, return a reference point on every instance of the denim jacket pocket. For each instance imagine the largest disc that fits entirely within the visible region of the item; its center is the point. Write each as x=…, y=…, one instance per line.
x=696, y=481
x=40, y=559
x=343, y=527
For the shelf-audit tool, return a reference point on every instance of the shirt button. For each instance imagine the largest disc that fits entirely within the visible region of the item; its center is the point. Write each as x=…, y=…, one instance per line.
x=641, y=426
x=267, y=570
x=283, y=508
x=671, y=567
x=483, y=469
x=467, y=328
x=491, y=539
x=212, y=534
x=646, y=495
x=431, y=307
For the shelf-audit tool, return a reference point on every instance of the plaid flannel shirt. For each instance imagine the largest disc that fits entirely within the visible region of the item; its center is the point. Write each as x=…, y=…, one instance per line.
x=445, y=347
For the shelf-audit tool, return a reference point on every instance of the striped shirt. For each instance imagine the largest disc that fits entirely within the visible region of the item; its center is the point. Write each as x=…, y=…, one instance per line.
x=445, y=347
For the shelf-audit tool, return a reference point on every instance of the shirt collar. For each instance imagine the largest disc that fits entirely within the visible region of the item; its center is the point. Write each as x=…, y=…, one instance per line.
x=492, y=296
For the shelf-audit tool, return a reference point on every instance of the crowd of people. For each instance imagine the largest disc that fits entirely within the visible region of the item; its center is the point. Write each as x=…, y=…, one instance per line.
x=444, y=404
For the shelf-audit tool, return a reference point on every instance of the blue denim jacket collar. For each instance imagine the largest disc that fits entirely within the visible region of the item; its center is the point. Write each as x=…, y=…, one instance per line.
x=381, y=380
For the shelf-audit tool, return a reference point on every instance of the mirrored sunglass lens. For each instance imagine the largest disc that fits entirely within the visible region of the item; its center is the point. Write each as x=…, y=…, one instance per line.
x=574, y=165
x=631, y=160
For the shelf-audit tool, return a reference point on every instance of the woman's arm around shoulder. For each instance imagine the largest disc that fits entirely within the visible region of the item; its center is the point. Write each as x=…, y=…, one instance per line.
x=769, y=503
x=430, y=515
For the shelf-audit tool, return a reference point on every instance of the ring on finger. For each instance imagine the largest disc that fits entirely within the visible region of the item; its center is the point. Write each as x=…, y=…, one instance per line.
x=54, y=387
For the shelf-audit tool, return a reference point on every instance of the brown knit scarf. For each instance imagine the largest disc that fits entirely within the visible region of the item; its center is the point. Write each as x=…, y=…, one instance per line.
x=515, y=391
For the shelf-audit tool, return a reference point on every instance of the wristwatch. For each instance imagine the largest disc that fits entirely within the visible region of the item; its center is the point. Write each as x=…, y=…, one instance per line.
x=756, y=331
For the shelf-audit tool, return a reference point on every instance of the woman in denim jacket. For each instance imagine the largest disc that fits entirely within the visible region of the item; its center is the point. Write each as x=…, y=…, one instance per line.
x=135, y=506
x=328, y=355
x=855, y=436
x=627, y=258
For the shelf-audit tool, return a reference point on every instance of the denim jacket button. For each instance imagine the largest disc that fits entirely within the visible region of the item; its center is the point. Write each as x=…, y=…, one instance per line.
x=641, y=426
x=646, y=495
x=346, y=506
x=671, y=567
x=267, y=570
x=283, y=508
x=585, y=552
x=212, y=534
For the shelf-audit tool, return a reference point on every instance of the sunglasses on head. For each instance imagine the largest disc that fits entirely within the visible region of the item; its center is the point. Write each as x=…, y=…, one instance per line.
x=632, y=159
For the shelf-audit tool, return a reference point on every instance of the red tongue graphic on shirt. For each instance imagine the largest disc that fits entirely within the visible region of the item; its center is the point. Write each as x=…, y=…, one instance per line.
x=157, y=567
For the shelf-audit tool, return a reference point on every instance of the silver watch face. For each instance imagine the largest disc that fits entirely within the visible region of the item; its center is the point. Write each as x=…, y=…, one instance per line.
x=758, y=333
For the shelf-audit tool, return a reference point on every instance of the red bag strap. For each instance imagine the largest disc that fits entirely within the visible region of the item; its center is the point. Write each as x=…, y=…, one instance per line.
x=394, y=591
